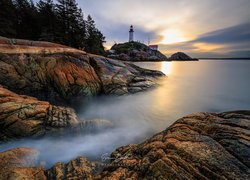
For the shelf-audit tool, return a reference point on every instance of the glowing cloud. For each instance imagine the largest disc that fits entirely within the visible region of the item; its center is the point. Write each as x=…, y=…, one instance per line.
x=171, y=36
x=206, y=47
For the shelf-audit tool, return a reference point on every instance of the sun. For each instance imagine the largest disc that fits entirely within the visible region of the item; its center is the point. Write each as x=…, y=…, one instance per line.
x=171, y=36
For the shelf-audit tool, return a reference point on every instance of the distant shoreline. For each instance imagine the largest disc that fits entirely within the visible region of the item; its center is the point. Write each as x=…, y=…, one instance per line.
x=224, y=58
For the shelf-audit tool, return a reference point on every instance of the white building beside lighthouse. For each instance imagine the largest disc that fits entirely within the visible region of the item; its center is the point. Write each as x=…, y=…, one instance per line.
x=131, y=34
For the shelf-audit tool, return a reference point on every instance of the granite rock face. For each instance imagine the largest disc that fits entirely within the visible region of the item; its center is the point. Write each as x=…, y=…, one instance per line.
x=55, y=77
x=80, y=168
x=122, y=78
x=198, y=146
x=61, y=77
x=21, y=163
x=19, y=157
x=180, y=56
x=25, y=116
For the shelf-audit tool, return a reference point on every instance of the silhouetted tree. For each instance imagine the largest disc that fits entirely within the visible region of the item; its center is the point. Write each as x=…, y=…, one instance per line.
x=94, y=39
x=7, y=18
x=47, y=20
x=62, y=23
x=27, y=20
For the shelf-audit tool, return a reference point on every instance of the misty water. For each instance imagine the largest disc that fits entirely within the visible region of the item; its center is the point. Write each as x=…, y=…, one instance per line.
x=207, y=85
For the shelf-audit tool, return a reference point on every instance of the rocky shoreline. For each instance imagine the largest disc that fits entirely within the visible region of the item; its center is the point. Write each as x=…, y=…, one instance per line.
x=197, y=146
x=64, y=77
x=55, y=79
x=39, y=80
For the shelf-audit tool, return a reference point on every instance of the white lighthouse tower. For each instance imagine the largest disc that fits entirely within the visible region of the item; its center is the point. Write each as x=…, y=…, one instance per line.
x=131, y=34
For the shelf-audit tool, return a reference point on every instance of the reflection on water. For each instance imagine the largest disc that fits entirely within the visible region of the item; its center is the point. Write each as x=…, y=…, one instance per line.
x=189, y=87
x=166, y=67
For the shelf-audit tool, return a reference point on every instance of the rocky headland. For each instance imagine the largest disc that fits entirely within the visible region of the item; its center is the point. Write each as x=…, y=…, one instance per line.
x=135, y=51
x=180, y=56
x=197, y=146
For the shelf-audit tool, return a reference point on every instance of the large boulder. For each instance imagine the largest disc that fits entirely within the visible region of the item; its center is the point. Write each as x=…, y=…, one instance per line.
x=57, y=78
x=24, y=116
x=135, y=51
x=121, y=78
x=180, y=56
x=198, y=146
x=66, y=75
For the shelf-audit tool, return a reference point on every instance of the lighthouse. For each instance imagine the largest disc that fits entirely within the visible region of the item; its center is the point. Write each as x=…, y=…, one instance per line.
x=131, y=34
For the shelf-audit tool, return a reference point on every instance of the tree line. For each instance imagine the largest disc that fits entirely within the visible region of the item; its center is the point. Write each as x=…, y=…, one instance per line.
x=62, y=22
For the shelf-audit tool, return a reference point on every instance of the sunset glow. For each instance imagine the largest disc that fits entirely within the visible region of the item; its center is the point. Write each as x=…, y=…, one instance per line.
x=204, y=47
x=171, y=36
x=196, y=28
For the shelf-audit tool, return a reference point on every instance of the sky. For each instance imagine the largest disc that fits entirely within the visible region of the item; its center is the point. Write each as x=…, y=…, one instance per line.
x=200, y=28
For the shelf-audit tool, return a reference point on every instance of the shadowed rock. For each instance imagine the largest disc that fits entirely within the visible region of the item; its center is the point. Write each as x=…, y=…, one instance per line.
x=24, y=116
x=95, y=125
x=120, y=78
x=180, y=56
x=135, y=51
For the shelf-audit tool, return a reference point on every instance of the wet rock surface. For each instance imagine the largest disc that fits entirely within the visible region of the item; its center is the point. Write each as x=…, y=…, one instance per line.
x=198, y=146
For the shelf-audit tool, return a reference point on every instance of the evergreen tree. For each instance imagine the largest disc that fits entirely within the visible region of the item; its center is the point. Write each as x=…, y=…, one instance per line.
x=61, y=23
x=27, y=23
x=80, y=30
x=47, y=20
x=95, y=39
x=68, y=18
x=7, y=18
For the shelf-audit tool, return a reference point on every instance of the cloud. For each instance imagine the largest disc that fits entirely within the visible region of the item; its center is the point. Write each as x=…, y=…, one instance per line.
x=227, y=42
x=236, y=34
x=208, y=25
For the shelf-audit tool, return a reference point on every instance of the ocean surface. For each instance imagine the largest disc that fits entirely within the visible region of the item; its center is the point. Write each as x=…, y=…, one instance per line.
x=197, y=86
